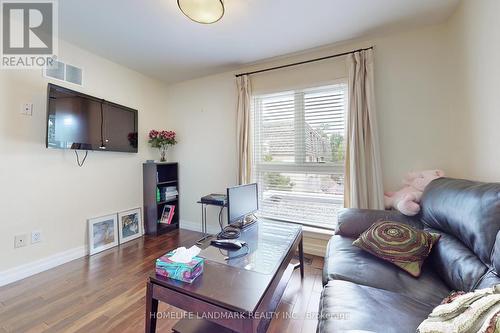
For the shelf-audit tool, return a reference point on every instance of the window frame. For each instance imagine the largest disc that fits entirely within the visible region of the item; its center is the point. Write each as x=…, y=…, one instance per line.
x=300, y=165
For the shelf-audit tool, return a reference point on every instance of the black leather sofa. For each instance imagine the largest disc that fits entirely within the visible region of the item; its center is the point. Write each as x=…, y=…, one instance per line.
x=365, y=294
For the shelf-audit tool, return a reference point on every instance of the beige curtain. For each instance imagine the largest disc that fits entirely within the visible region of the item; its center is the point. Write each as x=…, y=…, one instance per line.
x=363, y=179
x=243, y=130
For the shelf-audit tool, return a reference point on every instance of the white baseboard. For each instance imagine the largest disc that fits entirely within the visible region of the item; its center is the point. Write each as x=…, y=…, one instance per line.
x=184, y=224
x=316, y=241
x=312, y=246
x=23, y=271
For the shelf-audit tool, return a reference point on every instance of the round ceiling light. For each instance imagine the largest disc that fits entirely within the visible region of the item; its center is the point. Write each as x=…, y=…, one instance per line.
x=202, y=11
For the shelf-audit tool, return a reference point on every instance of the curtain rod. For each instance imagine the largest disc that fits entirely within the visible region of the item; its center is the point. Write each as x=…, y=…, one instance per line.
x=303, y=62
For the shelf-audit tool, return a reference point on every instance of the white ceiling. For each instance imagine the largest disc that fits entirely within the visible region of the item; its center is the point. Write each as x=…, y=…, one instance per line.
x=155, y=38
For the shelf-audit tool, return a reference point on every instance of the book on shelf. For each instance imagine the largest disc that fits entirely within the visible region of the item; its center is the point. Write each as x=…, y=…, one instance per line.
x=167, y=193
x=167, y=214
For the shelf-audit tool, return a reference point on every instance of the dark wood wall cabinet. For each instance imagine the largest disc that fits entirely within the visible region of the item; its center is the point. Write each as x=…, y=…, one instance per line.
x=157, y=179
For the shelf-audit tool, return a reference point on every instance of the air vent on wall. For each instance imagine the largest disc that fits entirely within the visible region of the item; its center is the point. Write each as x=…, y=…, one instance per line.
x=64, y=72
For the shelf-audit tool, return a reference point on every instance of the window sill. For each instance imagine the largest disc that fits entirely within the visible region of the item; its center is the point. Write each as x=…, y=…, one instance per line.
x=317, y=233
x=308, y=231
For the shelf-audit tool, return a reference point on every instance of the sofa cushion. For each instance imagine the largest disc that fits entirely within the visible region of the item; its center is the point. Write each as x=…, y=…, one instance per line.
x=456, y=264
x=353, y=221
x=344, y=261
x=496, y=254
x=467, y=210
x=489, y=280
x=349, y=307
x=399, y=244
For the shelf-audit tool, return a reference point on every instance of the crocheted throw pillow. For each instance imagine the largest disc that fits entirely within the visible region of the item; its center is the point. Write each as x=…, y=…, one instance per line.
x=398, y=243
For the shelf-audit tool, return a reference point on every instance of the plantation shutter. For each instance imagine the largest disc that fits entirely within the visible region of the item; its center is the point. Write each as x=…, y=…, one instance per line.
x=299, y=154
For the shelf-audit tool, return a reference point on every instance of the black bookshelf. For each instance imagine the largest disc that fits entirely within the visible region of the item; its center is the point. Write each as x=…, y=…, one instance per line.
x=159, y=175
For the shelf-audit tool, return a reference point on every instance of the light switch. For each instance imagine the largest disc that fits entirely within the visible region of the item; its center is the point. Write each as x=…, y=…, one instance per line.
x=27, y=109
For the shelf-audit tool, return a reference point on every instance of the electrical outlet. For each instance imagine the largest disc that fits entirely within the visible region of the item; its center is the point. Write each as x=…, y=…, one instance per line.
x=27, y=109
x=20, y=240
x=36, y=236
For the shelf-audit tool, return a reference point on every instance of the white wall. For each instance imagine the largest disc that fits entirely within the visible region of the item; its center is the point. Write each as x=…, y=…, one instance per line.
x=202, y=113
x=475, y=33
x=412, y=90
x=43, y=189
x=413, y=103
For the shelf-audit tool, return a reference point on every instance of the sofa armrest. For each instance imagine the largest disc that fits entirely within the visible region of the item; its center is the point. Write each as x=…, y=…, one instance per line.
x=353, y=221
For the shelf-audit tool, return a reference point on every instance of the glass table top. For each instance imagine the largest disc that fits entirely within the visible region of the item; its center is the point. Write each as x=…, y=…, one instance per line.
x=268, y=243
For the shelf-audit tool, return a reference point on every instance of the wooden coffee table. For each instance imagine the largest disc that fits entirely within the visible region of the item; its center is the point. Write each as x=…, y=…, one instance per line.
x=239, y=294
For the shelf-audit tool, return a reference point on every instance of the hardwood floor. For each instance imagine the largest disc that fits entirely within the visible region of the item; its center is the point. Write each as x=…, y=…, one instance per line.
x=106, y=293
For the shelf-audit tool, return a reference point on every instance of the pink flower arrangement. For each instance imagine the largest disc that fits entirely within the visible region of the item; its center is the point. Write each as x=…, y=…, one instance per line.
x=158, y=139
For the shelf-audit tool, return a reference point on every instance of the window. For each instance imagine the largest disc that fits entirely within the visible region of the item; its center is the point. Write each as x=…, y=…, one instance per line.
x=299, y=154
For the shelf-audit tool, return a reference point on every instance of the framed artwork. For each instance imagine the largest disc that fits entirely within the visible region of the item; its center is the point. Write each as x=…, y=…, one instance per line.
x=103, y=233
x=130, y=225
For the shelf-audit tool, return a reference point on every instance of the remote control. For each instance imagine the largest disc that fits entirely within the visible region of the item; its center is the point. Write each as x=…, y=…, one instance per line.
x=228, y=243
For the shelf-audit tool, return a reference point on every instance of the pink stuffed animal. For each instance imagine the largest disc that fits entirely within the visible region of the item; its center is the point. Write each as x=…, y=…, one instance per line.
x=407, y=199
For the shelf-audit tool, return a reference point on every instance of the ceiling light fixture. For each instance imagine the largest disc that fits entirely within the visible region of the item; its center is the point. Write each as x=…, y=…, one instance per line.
x=202, y=11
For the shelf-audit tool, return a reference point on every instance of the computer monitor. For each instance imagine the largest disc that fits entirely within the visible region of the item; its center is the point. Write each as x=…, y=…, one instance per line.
x=241, y=201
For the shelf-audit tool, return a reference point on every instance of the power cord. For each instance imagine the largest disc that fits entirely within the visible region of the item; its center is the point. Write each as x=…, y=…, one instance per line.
x=227, y=232
x=78, y=158
x=220, y=218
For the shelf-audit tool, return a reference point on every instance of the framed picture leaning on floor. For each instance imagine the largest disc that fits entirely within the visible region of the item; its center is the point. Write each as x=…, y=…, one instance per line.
x=130, y=225
x=103, y=233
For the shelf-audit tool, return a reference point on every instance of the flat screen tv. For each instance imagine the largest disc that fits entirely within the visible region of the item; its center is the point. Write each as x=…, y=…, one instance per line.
x=79, y=121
